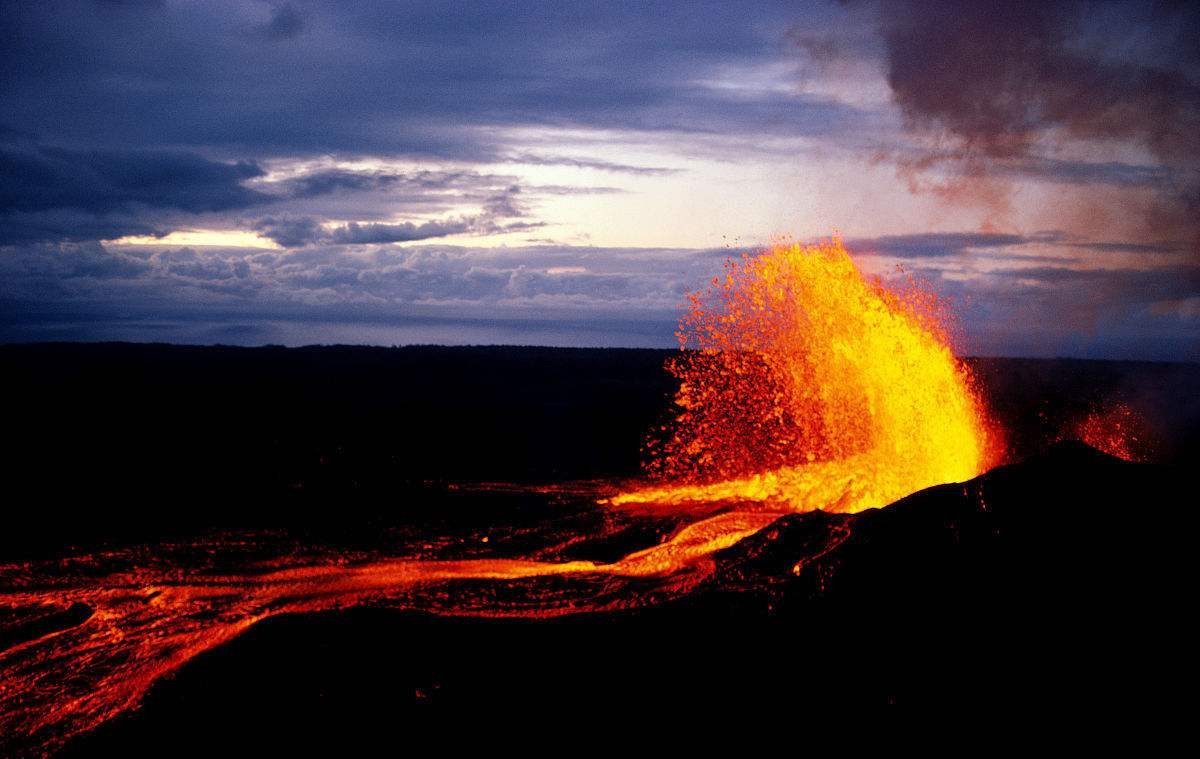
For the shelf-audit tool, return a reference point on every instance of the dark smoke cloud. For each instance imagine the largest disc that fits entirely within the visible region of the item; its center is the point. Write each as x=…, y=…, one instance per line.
x=1000, y=81
x=941, y=244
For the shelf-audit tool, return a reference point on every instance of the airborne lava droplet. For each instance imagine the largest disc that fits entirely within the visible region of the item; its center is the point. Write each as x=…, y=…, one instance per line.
x=805, y=385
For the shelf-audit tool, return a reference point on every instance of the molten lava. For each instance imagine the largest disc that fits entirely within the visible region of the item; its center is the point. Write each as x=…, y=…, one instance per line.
x=809, y=386
x=1116, y=429
x=805, y=386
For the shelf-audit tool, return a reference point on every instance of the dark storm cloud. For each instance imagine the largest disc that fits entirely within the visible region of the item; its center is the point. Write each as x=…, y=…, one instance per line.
x=54, y=193
x=58, y=193
x=290, y=232
x=70, y=225
x=936, y=245
x=1001, y=78
x=41, y=263
x=1080, y=172
x=189, y=264
x=1124, y=285
x=389, y=78
x=1129, y=247
x=328, y=181
x=140, y=118
x=357, y=234
x=1050, y=246
x=997, y=74
x=371, y=276
x=1099, y=313
x=38, y=178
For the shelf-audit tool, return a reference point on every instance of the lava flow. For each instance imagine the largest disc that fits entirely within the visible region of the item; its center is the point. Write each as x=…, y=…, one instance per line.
x=803, y=385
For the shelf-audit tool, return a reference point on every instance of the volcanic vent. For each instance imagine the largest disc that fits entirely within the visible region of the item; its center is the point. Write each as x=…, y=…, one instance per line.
x=806, y=385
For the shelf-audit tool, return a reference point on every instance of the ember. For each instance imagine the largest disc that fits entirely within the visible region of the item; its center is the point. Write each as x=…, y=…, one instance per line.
x=1117, y=430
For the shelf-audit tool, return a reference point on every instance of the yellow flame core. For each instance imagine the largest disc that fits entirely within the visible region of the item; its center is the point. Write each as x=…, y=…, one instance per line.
x=810, y=386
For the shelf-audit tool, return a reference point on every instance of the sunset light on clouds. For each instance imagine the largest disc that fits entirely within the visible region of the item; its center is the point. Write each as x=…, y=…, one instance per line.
x=388, y=173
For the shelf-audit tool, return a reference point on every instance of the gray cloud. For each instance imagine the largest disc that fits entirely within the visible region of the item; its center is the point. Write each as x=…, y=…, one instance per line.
x=120, y=119
x=935, y=245
x=54, y=193
x=358, y=234
x=383, y=78
x=1002, y=79
x=69, y=289
x=293, y=231
x=325, y=182
x=289, y=232
x=997, y=75
x=37, y=177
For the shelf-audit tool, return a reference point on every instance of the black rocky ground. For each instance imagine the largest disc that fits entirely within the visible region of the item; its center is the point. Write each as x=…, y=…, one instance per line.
x=1061, y=580
x=1054, y=584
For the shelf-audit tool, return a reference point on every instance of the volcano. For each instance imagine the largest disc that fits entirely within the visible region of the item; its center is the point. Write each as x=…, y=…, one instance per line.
x=357, y=539
x=1053, y=581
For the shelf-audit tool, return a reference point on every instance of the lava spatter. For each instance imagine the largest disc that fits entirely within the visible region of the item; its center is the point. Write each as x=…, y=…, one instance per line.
x=807, y=385
x=803, y=386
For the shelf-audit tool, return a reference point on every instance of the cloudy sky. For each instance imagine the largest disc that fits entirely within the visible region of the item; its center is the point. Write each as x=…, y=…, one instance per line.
x=250, y=172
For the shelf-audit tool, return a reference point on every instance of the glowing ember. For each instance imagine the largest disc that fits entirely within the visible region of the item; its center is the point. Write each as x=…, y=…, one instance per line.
x=1117, y=430
x=812, y=387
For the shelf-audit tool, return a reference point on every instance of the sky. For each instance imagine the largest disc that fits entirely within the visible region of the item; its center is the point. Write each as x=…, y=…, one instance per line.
x=251, y=172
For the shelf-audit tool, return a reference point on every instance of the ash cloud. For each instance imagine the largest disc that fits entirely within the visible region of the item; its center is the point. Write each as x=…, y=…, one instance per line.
x=995, y=83
x=942, y=244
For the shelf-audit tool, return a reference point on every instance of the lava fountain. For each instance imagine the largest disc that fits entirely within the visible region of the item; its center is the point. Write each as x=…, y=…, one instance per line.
x=803, y=385
x=809, y=386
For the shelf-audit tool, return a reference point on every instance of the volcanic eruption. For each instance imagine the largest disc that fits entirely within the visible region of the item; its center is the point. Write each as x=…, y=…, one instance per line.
x=803, y=386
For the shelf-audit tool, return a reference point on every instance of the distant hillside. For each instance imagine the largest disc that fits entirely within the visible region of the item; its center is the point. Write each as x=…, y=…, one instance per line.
x=138, y=440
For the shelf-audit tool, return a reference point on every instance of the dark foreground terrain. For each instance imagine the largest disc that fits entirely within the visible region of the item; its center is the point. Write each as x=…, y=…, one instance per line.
x=1057, y=582
x=1055, y=586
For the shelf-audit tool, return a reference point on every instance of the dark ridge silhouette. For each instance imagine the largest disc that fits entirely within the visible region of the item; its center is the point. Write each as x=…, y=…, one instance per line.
x=117, y=442
x=1054, y=583
x=1057, y=580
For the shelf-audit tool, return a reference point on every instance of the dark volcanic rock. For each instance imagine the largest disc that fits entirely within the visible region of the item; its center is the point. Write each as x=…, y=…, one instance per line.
x=1057, y=582
x=23, y=624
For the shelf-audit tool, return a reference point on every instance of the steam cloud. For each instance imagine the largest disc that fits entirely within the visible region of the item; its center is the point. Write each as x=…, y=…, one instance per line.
x=995, y=84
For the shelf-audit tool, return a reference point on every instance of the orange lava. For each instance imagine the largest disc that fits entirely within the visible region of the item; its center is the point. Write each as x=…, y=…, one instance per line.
x=150, y=616
x=809, y=386
x=1117, y=430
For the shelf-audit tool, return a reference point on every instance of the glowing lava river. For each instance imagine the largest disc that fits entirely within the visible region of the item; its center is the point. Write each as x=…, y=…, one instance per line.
x=803, y=385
